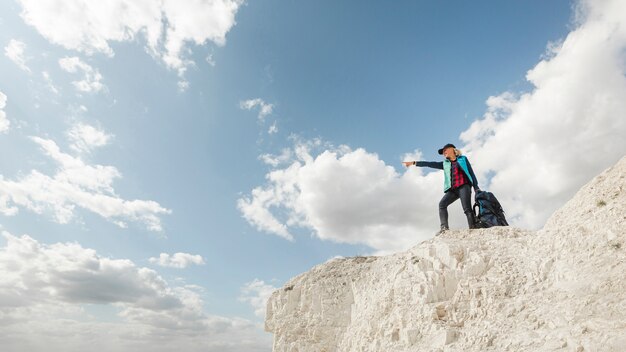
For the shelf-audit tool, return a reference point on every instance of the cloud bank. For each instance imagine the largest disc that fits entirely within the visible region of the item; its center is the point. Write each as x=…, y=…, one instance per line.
x=46, y=292
x=534, y=150
x=76, y=184
x=543, y=145
x=166, y=25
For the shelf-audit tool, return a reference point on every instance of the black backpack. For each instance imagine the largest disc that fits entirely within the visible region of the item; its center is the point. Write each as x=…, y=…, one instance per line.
x=490, y=212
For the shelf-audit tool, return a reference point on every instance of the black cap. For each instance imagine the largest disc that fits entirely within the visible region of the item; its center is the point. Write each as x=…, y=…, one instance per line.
x=446, y=146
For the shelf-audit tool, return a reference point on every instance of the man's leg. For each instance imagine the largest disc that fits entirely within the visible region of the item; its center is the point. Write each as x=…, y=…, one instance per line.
x=447, y=199
x=465, y=193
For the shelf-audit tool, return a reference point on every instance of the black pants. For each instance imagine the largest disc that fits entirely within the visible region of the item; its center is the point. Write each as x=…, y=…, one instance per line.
x=465, y=193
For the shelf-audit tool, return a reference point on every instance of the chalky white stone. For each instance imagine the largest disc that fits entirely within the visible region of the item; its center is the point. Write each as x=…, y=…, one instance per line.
x=562, y=288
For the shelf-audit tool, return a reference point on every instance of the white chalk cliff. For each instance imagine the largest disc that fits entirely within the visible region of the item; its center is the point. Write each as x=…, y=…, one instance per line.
x=562, y=288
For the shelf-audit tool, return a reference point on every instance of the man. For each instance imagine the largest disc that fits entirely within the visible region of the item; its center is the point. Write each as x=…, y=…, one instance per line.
x=458, y=180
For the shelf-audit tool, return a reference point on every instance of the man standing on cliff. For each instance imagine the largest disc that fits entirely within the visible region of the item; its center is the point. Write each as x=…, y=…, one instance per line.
x=458, y=180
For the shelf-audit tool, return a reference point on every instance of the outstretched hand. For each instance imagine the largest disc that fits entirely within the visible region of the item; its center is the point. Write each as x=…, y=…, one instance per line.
x=407, y=163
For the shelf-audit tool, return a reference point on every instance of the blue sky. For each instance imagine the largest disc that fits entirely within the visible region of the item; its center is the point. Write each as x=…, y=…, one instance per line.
x=106, y=117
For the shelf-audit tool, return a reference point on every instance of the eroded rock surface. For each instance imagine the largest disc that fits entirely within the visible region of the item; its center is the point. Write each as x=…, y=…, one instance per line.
x=562, y=288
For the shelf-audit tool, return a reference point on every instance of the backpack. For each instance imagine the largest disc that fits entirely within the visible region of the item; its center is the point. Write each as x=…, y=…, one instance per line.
x=490, y=212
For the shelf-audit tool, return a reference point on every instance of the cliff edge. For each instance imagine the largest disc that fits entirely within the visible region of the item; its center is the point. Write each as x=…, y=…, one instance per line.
x=562, y=288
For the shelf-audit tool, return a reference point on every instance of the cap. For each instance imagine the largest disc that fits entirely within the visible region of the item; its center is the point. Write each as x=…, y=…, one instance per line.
x=446, y=146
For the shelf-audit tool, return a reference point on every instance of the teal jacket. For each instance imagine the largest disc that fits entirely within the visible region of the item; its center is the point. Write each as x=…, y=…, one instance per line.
x=446, y=166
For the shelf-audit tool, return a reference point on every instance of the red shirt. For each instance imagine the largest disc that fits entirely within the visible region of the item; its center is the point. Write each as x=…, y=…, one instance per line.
x=458, y=175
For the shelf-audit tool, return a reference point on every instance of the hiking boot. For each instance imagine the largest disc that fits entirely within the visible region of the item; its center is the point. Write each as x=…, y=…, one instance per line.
x=443, y=229
x=471, y=223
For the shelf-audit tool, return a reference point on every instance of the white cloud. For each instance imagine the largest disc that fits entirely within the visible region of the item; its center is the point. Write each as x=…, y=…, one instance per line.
x=256, y=210
x=541, y=146
x=345, y=195
x=183, y=85
x=46, y=292
x=210, y=60
x=68, y=272
x=49, y=84
x=75, y=184
x=264, y=108
x=85, y=138
x=92, y=78
x=273, y=128
x=4, y=122
x=538, y=149
x=167, y=25
x=15, y=52
x=256, y=293
x=275, y=160
x=177, y=260
x=414, y=155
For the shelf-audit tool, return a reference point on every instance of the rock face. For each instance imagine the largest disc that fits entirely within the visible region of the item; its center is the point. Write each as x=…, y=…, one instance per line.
x=562, y=288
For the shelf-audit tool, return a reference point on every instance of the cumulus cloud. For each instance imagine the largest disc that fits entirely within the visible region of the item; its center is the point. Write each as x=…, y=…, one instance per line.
x=75, y=184
x=541, y=146
x=15, y=52
x=68, y=272
x=534, y=150
x=84, y=138
x=264, y=108
x=345, y=195
x=257, y=293
x=46, y=290
x=4, y=122
x=92, y=78
x=167, y=25
x=177, y=260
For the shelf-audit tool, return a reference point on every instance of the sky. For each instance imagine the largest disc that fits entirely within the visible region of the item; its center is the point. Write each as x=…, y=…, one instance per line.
x=167, y=165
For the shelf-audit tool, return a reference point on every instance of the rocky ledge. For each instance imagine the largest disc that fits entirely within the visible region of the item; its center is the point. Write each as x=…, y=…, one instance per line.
x=562, y=288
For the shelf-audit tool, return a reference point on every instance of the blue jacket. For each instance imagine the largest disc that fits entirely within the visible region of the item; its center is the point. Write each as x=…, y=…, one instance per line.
x=447, y=167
